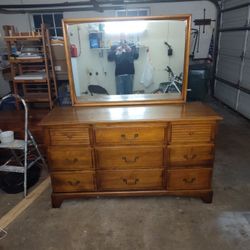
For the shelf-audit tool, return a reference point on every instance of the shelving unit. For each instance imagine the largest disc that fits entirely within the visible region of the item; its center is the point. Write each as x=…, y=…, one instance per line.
x=32, y=69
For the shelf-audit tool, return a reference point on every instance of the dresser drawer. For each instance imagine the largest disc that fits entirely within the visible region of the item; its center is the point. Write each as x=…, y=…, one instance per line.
x=70, y=158
x=69, y=136
x=73, y=181
x=129, y=135
x=188, y=155
x=188, y=179
x=130, y=157
x=192, y=133
x=130, y=180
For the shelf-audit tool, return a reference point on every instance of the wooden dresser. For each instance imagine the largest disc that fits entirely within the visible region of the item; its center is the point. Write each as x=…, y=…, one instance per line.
x=131, y=151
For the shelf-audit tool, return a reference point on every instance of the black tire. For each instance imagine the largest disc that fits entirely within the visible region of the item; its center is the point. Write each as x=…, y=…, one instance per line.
x=158, y=91
x=171, y=89
x=12, y=183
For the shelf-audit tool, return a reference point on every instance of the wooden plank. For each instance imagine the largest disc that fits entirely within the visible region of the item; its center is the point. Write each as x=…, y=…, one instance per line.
x=25, y=203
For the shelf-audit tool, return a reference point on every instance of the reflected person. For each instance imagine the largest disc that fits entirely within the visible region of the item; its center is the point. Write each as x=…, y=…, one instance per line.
x=124, y=55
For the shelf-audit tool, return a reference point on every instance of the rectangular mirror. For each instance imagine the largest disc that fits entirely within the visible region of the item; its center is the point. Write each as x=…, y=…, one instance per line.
x=125, y=61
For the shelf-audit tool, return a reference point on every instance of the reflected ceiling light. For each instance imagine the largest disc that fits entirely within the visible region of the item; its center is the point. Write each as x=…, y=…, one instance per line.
x=126, y=27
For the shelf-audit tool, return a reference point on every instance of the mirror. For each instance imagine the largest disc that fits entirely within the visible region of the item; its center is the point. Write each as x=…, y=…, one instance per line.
x=117, y=61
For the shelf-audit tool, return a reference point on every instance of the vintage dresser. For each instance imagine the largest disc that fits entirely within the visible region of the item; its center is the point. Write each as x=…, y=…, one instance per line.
x=131, y=151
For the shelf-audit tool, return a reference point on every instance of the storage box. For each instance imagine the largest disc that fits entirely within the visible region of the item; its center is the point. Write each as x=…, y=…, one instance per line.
x=61, y=69
x=60, y=66
x=58, y=51
x=59, y=58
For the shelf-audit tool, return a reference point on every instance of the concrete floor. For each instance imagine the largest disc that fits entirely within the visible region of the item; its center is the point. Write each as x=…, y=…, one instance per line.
x=156, y=222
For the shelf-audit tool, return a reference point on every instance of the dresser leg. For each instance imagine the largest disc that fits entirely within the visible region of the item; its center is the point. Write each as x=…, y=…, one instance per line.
x=56, y=201
x=208, y=197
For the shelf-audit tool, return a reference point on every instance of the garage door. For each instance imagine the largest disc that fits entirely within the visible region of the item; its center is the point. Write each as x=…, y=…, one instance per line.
x=232, y=85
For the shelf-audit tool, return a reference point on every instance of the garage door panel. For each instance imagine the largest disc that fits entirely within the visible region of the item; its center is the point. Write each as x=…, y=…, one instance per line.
x=229, y=68
x=245, y=83
x=233, y=3
x=244, y=104
x=247, y=54
x=234, y=18
x=233, y=63
x=226, y=94
x=232, y=43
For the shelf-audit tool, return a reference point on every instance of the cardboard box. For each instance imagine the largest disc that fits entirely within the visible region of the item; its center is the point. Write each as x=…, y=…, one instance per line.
x=60, y=65
x=58, y=51
x=61, y=69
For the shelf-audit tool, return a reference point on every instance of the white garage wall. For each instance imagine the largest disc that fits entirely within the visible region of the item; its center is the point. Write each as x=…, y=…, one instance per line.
x=194, y=8
x=20, y=21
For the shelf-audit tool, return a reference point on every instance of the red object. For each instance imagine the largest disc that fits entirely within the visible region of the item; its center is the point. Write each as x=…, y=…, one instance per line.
x=73, y=50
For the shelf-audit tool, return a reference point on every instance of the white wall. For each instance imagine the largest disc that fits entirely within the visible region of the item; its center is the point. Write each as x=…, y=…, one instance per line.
x=194, y=8
x=20, y=21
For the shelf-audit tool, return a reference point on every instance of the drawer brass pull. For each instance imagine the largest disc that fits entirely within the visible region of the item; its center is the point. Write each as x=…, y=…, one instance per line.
x=190, y=157
x=130, y=161
x=130, y=181
x=75, y=160
x=69, y=136
x=124, y=137
x=74, y=183
x=189, y=181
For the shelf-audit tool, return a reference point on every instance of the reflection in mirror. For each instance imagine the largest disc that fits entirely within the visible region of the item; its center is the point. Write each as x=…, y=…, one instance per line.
x=127, y=60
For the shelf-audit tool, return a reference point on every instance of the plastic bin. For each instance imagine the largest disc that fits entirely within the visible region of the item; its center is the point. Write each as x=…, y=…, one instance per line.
x=198, y=82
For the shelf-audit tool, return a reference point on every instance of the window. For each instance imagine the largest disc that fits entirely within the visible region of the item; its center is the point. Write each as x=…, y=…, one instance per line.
x=133, y=12
x=52, y=21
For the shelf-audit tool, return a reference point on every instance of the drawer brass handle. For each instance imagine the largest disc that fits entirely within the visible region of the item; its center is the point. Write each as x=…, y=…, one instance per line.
x=130, y=181
x=124, y=158
x=75, y=160
x=189, y=181
x=124, y=137
x=69, y=136
x=74, y=183
x=190, y=157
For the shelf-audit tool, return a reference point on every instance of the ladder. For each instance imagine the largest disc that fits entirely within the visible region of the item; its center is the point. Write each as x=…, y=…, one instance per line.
x=24, y=153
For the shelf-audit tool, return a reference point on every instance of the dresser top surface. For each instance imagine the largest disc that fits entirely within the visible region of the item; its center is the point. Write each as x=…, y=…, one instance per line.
x=147, y=113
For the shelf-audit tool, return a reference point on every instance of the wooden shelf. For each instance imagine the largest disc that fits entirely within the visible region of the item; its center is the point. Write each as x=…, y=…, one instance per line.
x=27, y=38
x=31, y=81
x=37, y=97
x=35, y=69
x=26, y=60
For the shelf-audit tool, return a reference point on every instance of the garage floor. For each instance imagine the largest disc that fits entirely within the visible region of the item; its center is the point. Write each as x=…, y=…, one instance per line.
x=155, y=222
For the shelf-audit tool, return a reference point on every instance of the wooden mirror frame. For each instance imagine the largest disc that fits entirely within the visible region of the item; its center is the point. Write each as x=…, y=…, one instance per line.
x=128, y=101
